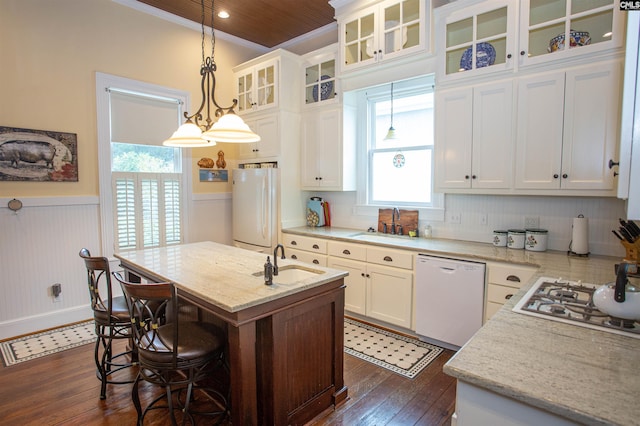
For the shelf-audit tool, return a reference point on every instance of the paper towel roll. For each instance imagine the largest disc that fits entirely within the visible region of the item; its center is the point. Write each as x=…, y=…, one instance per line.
x=580, y=237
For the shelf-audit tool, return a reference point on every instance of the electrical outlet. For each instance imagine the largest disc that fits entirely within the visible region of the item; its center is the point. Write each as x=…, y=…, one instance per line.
x=455, y=218
x=56, y=292
x=531, y=222
x=483, y=220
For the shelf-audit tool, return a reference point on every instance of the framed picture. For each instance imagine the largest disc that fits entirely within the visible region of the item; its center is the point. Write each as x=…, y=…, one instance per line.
x=210, y=175
x=38, y=155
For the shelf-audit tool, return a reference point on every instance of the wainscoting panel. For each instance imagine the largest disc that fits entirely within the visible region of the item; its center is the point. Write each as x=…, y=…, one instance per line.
x=39, y=247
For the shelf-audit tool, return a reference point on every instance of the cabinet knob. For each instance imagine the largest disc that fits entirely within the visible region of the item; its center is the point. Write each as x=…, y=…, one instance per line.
x=509, y=56
x=293, y=256
x=612, y=164
x=362, y=274
x=555, y=176
x=522, y=53
x=466, y=176
x=514, y=278
x=387, y=259
x=367, y=275
x=564, y=176
x=473, y=177
x=345, y=251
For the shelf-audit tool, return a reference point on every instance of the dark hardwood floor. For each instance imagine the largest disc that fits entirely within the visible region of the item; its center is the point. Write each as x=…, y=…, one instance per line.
x=62, y=389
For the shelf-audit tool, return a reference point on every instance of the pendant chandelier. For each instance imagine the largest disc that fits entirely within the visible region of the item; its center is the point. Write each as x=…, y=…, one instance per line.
x=391, y=133
x=200, y=132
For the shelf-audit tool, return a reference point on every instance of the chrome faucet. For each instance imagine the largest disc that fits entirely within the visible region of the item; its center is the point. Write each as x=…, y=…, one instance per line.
x=275, y=258
x=395, y=214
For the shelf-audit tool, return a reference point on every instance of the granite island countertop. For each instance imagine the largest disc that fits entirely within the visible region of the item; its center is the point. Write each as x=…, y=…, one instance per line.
x=223, y=275
x=592, y=377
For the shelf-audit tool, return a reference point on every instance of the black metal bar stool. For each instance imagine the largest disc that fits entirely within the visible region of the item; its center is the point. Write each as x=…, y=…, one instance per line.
x=179, y=355
x=112, y=322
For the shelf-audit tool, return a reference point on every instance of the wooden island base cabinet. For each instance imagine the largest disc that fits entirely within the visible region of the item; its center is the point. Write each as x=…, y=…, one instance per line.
x=285, y=341
x=285, y=355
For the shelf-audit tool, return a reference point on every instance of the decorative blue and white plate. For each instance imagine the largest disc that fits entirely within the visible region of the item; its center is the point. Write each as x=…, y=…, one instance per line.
x=485, y=56
x=326, y=89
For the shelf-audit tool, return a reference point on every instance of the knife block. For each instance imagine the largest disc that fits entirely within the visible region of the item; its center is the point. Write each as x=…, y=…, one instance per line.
x=632, y=251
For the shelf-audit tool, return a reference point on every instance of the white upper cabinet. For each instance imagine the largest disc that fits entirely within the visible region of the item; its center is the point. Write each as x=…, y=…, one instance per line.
x=589, y=25
x=256, y=87
x=269, y=144
x=484, y=31
x=475, y=137
x=568, y=129
x=320, y=82
x=507, y=35
x=381, y=32
x=265, y=82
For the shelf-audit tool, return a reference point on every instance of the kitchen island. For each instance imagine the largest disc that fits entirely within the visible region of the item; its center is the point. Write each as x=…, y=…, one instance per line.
x=285, y=340
x=524, y=370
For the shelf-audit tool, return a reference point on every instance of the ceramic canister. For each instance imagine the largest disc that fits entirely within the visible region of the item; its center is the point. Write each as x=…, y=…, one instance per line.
x=500, y=238
x=515, y=238
x=536, y=240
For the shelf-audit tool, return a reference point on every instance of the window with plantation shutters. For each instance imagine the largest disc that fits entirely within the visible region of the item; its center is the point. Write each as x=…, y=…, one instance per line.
x=146, y=178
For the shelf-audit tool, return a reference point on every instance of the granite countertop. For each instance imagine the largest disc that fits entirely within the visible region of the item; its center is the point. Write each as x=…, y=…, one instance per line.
x=224, y=275
x=585, y=375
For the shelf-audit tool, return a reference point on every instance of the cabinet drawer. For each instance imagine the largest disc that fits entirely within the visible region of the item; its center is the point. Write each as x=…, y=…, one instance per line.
x=499, y=293
x=347, y=250
x=307, y=257
x=510, y=275
x=316, y=245
x=388, y=257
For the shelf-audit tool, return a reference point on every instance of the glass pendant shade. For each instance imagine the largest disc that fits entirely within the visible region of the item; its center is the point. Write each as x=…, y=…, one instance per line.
x=391, y=134
x=188, y=135
x=232, y=129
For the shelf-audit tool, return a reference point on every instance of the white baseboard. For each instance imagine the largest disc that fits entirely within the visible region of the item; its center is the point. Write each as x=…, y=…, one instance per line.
x=33, y=324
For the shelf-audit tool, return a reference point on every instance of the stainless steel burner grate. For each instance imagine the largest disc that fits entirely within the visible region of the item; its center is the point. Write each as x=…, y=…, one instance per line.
x=571, y=302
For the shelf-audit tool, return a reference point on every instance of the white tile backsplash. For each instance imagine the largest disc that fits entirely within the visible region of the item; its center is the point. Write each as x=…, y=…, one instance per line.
x=503, y=212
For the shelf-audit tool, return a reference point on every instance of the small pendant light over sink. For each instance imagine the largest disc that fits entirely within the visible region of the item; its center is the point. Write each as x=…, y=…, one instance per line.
x=200, y=132
x=391, y=134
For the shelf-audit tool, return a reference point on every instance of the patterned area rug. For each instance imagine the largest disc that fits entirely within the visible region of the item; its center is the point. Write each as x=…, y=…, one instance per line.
x=400, y=354
x=48, y=342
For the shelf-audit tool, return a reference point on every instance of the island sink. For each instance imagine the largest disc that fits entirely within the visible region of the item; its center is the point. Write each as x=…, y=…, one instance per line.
x=289, y=274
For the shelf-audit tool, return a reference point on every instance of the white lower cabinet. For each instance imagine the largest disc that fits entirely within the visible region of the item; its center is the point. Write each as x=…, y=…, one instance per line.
x=380, y=281
x=503, y=282
x=306, y=249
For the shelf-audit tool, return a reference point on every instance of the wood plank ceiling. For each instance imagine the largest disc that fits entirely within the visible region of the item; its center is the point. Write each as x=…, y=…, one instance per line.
x=265, y=22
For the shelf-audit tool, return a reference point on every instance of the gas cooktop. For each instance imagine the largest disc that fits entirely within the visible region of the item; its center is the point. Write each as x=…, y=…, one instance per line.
x=571, y=302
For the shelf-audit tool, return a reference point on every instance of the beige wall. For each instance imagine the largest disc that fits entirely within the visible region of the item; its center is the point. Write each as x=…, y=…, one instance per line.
x=49, y=54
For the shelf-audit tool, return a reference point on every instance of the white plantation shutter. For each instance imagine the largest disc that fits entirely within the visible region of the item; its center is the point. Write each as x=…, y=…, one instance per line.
x=148, y=209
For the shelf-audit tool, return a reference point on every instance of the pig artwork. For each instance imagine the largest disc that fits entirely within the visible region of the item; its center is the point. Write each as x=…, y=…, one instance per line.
x=27, y=152
x=38, y=155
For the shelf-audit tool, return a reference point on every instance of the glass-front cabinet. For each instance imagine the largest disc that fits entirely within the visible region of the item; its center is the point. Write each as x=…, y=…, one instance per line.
x=386, y=30
x=478, y=39
x=256, y=87
x=546, y=25
x=320, y=82
x=496, y=35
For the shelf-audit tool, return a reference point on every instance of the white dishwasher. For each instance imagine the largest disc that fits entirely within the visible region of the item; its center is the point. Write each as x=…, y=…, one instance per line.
x=449, y=299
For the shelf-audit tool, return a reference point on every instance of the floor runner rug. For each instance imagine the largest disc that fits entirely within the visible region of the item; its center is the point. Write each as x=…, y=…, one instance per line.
x=47, y=342
x=403, y=355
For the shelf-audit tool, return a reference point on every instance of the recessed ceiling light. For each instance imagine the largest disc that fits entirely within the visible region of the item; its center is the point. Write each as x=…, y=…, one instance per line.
x=223, y=14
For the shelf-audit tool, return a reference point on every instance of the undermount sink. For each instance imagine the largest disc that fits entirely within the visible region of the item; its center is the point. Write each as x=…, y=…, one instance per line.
x=290, y=274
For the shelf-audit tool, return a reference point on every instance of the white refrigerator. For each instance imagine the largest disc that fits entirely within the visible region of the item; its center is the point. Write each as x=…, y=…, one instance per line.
x=255, y=208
